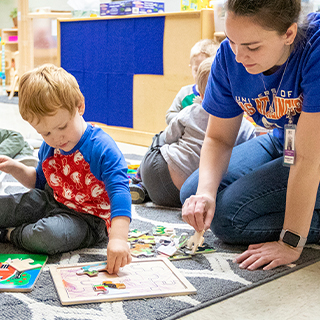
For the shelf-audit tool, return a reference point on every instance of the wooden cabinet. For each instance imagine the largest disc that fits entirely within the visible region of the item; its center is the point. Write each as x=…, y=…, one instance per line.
x=10, y=37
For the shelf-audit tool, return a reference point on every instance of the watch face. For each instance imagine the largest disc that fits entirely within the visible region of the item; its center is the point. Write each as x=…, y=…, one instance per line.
x=291, y=239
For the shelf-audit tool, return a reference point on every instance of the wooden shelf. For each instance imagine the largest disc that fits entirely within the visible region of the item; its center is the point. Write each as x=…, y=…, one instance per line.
x=6, y=33
x=10, y=48
x=49, y=15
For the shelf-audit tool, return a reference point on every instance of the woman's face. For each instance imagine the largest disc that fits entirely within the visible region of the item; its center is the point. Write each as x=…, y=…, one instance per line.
x=256, y=48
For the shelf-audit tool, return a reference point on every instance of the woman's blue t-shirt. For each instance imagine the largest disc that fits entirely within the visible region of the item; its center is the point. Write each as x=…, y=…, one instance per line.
x=232, y=90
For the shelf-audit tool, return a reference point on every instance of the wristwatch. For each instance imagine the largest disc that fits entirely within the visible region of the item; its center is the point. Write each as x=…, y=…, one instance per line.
x=292, y=239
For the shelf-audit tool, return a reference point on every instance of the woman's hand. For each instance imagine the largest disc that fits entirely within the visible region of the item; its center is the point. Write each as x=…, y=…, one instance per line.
x=198, y=211
x=269, y=254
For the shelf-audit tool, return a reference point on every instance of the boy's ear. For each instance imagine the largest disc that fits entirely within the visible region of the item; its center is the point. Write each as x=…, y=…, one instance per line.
x=81, y=109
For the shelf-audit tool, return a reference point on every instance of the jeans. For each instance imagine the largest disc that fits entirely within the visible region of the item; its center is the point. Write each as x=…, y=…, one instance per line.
x=43, y=225
x=251, y=198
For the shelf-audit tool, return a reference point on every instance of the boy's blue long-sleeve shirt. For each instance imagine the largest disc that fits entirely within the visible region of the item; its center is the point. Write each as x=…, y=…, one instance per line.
x=91, y=178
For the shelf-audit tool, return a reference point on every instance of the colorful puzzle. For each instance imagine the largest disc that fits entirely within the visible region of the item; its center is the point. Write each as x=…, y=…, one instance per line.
x=142, y=239
x=163, y=231
x=19, y=272
x=93, y=270
x=142, y=250
x=140, y=279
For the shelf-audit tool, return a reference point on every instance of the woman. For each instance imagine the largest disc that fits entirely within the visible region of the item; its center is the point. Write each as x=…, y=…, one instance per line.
x=265, y=196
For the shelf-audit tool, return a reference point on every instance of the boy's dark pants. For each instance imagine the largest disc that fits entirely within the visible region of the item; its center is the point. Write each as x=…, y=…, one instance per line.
x=43, y=225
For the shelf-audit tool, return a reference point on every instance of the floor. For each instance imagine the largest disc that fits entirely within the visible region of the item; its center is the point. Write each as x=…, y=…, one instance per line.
x=292, y=297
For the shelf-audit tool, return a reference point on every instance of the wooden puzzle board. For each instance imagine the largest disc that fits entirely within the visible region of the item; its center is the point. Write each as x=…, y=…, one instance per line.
x=19, y=272
x=142, y=278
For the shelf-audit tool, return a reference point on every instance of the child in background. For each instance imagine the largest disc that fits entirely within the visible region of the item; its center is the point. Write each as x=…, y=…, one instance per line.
x=13, y=145
x=175, y=153
x=202, y=50
x=79, y=187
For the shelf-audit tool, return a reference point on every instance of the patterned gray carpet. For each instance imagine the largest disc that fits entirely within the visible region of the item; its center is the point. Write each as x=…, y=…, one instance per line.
x=214, y=276
x=5, y=99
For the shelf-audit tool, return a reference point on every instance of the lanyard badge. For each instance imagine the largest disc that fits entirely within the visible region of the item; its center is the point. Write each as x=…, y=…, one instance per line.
x=289, y=143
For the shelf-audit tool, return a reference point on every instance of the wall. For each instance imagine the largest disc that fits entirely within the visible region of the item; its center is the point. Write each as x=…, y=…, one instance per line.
x=132, y=109
x=6, y=6
x=170, y=5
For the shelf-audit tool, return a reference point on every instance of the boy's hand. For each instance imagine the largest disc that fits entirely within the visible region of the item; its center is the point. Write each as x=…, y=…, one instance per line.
x=25, y=175
x=118, y=252
x=6, y=163
x=118, y=255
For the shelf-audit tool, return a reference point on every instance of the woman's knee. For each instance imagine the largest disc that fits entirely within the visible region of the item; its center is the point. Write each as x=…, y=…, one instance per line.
x=232, y=216
x=189, y=187
x=224, y=228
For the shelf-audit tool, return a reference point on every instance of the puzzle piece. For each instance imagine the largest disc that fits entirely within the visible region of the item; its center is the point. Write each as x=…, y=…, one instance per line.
x=168, y=250
x=183, y=240
x=163, y=231
x=100, y=288
x=204, y=248
x=195, y=241
x=103, y=288
x=142, y=239
x=23, y=264
x=135, y=233
x=187, y=254
x=172, y=246
x=110, y=284
x=142, y=250
x=93, y=270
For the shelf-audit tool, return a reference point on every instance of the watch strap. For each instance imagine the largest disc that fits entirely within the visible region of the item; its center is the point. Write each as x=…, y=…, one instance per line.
x=292, y=239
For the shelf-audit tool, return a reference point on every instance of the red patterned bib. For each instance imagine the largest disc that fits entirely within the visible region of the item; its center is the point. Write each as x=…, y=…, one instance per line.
x=75, y=186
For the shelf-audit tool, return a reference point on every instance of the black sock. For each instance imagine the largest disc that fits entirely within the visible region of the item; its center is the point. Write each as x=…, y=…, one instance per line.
x=3, y=234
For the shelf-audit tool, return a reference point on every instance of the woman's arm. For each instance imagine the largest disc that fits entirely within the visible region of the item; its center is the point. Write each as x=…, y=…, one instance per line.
x=304, y=175
x=220, y=137
x=302, y=188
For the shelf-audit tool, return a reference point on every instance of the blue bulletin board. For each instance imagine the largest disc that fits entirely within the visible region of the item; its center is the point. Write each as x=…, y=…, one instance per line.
x=104, y=56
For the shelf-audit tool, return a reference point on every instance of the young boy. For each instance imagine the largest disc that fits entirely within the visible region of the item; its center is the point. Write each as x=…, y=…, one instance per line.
x=175, y=153
x=80, y=185
x=187, y=95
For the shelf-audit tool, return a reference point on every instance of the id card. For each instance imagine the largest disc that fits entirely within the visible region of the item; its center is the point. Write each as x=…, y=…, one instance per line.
x=289, y=144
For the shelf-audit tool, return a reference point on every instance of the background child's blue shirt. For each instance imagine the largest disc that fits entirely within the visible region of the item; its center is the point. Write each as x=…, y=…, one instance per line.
x=101, y=167
x=232, y=90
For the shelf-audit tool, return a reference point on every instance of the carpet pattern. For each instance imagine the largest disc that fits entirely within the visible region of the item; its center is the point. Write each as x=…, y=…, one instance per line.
x=214, y=276
x=5, y=99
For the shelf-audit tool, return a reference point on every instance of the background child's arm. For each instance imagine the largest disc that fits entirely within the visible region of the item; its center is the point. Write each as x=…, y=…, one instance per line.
x=174, y=131
x=25, y=175
x=174, y=109
x=118, y=253
x=11, y=143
